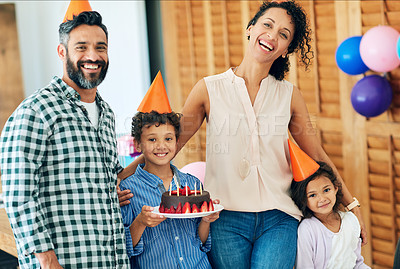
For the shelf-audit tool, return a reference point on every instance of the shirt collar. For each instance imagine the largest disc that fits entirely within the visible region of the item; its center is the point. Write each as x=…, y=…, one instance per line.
x=154, y=181
x=68, y=92
x=236, y=79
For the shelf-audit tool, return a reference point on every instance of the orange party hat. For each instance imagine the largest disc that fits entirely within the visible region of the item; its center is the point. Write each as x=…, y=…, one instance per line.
x=156, y=98
x=75, y=8
x=302, y=165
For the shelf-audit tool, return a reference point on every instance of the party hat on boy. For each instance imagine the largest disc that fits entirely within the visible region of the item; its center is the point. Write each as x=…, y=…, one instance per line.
x=75, y=8
x=156, y=97
x=302, y=165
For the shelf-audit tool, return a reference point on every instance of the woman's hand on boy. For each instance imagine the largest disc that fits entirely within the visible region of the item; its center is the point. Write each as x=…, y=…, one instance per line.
x=148, y=218
x=123, y=196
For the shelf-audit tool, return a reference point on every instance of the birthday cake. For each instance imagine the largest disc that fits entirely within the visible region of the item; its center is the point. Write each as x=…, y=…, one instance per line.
x=188, y=201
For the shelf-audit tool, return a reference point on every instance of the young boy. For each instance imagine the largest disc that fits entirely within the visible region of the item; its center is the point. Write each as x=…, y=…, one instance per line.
x=152, y=240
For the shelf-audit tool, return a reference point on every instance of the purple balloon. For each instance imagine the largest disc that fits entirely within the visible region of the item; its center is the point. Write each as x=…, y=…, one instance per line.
x=371, y=96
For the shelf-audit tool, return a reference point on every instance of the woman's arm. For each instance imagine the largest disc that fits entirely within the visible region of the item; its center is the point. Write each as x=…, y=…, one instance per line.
x=305, y=135
x=131, y=168
x=195, y=110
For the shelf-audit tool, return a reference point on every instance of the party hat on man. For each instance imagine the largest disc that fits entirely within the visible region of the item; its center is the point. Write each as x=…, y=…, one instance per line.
x=302, y=165
x=156, y=97
x=75, y=8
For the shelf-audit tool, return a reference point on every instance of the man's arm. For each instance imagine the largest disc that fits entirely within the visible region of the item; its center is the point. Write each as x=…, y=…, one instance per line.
x=48, y=260
x=23, y=147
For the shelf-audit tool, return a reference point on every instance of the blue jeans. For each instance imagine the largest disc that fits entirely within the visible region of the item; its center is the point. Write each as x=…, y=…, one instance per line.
x=245, y=240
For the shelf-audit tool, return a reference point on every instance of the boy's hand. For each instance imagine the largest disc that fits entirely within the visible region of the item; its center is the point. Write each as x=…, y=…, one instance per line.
x=213, y=217
x=149, y=219
x=210, y=218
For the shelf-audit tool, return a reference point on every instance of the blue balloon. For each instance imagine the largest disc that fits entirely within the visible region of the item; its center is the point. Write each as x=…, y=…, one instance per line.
x=371, y=96
x=348, y=57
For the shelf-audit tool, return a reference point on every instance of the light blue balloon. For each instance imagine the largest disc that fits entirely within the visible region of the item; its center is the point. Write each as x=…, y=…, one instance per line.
x=398, y=47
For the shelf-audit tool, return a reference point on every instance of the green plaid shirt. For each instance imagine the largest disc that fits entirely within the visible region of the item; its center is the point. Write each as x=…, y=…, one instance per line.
x=59, y=178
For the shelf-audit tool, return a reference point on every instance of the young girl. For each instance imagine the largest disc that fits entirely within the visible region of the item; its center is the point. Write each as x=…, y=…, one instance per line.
x=327, y=237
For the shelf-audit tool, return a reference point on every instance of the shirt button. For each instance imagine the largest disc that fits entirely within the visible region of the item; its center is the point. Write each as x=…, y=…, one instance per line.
x=111, y=190
x=176, y=238
x=76, y=95
x=115, y=221
x=68, y=95
x=181, y=258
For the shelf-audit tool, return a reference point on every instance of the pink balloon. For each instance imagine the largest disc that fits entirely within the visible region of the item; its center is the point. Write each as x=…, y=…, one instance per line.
x=197, y=169
x=378, y=48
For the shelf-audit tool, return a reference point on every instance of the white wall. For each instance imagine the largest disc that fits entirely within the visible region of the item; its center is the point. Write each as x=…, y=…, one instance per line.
x=128, y=76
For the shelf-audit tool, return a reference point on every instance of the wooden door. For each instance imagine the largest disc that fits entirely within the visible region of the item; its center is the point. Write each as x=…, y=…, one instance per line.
x=11, y=89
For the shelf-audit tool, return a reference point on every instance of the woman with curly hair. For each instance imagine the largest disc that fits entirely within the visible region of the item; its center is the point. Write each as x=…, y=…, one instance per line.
x=249, y=110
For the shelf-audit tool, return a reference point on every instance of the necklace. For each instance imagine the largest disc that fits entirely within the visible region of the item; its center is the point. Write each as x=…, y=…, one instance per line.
x=244, y=165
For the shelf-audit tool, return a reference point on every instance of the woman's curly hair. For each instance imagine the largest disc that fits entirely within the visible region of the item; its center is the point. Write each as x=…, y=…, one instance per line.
x=301, y=42
x=299, y=189
x=141, y=120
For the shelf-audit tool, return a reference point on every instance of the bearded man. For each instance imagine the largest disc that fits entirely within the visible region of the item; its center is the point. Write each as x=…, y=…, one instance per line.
x=59, y=163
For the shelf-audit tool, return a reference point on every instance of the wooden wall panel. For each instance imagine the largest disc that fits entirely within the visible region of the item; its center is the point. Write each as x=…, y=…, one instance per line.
x=11, y=89
x=209, y=36
x=383, y=150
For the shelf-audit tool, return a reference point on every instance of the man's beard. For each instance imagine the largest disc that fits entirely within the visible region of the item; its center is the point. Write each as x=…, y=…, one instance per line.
x=77, y=76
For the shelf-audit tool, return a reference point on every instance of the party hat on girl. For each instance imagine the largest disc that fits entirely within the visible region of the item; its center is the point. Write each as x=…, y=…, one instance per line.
x=75, y=8
x=156, y=97
x=302, y=165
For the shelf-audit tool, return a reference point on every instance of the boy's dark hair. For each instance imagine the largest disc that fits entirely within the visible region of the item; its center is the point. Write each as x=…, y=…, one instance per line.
x=299, y=193
x=301, y=40
x=86, y=17
x=141, y=120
